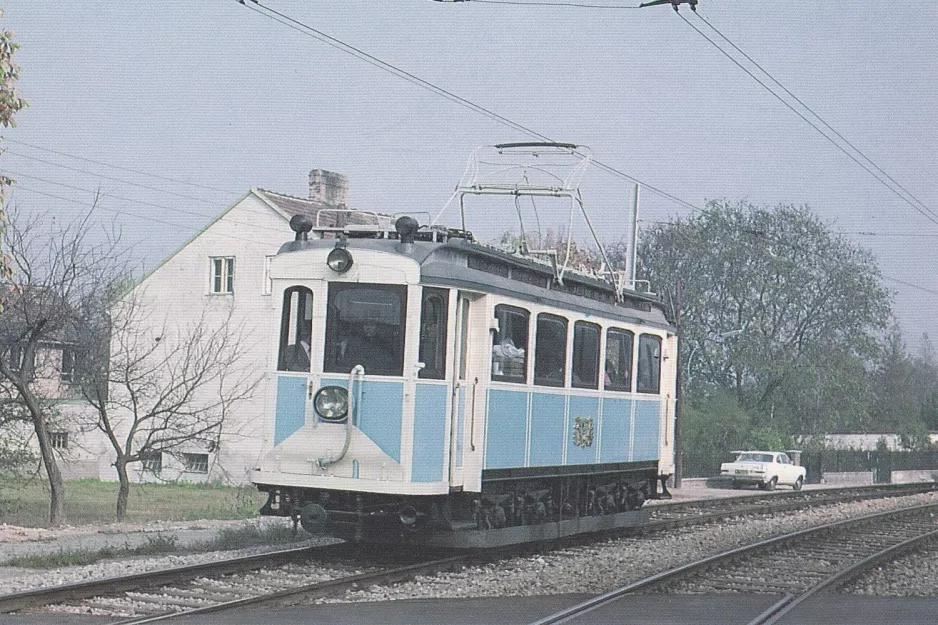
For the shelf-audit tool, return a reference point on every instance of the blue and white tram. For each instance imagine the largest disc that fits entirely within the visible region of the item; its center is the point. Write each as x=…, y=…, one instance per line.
x=428, y=383
x=433, y=389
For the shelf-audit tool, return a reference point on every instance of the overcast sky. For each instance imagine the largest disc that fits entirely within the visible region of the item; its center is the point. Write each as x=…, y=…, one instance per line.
x=215, y=94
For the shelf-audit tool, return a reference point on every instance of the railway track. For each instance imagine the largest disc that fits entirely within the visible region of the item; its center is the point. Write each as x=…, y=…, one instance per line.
x=163, y=595
x=683, y=514
x=797, y=566
x=312, y=572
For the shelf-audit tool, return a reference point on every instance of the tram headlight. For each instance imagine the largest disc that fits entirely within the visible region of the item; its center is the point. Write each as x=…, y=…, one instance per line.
x=339, y=260
x=331, y=403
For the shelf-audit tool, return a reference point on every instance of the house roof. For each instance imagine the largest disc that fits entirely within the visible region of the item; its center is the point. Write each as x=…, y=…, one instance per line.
x=322, y=213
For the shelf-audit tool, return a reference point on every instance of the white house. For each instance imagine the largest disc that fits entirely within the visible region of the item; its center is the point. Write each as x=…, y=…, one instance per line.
x=78, y=454
x=223, y=269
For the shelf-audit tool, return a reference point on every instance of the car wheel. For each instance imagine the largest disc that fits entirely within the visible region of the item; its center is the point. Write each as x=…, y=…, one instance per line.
x=798, y=483
x=770, y=485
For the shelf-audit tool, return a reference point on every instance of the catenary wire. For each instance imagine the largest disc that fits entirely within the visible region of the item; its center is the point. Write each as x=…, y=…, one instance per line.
x=117, y=211
x=127, y=169
x=307, y=30
x=121, y=180
x=818, y=117
x=333, y=42
x=554, y=4
x=183, y=211
x=926, y=213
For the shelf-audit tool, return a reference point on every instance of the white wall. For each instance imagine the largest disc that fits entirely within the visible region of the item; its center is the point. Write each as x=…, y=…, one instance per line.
x=176, y=293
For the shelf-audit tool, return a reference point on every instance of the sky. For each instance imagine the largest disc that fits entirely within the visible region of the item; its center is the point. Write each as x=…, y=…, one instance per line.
x=174, y=109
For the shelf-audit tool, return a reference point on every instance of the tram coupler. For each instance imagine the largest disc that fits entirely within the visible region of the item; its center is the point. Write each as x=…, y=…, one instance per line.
x=665, y=493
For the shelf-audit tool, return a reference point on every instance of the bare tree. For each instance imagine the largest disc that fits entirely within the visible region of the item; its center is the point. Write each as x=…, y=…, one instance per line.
x=56, y=271
x=165, y=388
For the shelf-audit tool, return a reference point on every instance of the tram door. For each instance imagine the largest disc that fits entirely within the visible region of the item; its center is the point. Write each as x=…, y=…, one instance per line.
x=463, y=392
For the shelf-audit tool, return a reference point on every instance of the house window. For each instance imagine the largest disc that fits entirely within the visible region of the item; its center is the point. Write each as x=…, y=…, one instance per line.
x=268, y=286
x=195, y=463
x=58, y=440
x=67, y=370
x=17, y=358
x=222, y=275
x=153, y=462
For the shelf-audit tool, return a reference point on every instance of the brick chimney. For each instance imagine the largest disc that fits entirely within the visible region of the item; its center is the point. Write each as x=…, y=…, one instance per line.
x=328, y=187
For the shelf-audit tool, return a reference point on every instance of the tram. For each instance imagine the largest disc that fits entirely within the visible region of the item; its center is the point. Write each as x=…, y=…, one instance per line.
x=433, y=389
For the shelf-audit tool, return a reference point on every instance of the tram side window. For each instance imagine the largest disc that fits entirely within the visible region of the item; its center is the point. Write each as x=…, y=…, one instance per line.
x=296, y=328
x=365, y=326
x=619, y=360
x=510, y=345
x=433, y=319
x=649, y=364
x=550, y=350
x=585, y=355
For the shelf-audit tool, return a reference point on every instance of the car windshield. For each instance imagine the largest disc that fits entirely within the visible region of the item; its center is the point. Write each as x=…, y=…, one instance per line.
x=754, y=457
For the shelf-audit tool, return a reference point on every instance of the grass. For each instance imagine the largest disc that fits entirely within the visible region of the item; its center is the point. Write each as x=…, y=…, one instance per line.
x=25, y=502
x=78, y=557
x=227, y=539
x=230, y=538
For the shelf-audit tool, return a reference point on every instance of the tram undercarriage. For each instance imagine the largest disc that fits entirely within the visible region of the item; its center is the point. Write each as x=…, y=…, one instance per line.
x=510, y=509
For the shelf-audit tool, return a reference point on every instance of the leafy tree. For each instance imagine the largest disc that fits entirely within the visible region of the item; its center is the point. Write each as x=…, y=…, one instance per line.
x=774, y=306
x=926, y=365
x=10, y=104
x=903, y=386
x=712, y=427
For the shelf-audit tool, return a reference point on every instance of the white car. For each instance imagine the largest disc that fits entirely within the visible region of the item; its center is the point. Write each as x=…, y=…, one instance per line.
x=768, y=469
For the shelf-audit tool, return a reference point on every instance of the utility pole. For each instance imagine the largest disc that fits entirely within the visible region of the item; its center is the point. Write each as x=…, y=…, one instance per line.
x=678, y=401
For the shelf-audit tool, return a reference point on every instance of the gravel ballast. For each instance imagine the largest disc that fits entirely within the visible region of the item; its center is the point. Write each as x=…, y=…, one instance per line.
x=594, y=568
x=612, y=563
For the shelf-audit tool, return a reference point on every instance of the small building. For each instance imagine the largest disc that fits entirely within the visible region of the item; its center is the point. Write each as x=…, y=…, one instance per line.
x=222, y=273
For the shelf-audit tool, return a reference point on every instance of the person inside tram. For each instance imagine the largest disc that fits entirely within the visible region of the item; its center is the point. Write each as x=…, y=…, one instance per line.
x=297, y=355
x=364, y=346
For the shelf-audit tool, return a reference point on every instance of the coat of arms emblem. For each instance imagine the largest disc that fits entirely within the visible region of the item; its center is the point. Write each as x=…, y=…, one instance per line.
x=583, y=432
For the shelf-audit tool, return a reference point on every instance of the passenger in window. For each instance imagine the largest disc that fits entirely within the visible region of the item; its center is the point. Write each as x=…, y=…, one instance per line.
x=365, y=346
x=507, y=359
x=297, y=358
x=611, y=374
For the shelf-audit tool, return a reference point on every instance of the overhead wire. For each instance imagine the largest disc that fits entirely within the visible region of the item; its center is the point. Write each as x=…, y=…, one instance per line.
x=247, y=225
x=926, y=212
x=578, y=5
x=20, y=187
x=121, y=167
x=115, y=179
x=390, y=68
x=342, y=46
x=818, y=117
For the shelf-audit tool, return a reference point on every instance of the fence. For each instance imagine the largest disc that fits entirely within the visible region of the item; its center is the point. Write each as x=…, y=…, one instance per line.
x=881, y=464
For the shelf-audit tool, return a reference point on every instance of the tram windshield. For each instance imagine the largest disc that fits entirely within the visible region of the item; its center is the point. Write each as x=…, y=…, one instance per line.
x=365, y=326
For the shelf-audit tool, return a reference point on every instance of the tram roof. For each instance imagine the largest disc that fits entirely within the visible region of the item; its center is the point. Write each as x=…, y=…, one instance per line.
x=453, y=258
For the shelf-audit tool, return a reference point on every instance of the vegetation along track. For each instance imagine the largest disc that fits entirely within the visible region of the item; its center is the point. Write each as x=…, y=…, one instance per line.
x=335, y=568
x=797, y=565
